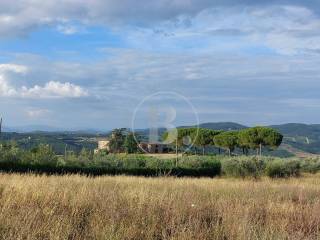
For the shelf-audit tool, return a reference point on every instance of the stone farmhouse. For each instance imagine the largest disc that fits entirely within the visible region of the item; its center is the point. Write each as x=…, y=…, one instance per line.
x=103, y=144
x=153, y=147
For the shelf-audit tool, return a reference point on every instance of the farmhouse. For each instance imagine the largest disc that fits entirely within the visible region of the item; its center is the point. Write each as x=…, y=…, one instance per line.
x=103, y=144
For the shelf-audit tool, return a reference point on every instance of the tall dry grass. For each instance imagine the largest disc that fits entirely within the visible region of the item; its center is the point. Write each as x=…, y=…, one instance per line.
x=77, y=207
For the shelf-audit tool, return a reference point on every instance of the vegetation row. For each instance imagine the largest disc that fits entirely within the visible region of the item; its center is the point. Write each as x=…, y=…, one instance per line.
x=43, y=160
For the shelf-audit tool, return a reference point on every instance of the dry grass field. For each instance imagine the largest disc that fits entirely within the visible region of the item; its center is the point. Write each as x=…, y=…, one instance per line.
x=78, y=207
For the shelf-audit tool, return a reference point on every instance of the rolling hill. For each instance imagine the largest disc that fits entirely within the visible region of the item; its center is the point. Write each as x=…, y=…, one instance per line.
x=60, y=141
x=226, y=126
x=299, y=139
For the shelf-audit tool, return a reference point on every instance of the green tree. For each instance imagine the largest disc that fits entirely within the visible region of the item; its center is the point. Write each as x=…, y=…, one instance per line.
x=257, y=137
x=85, y=156
x=180, y=136
x=227, y=140
x=43, y=154
x=130, y=143
x=243, y=141
x=204, y=137
x=272, y=138
x=200, y=137
x=117, y=140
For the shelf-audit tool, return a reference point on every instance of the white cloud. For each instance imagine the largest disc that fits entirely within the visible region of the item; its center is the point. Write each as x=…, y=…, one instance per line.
x=287, y=27
x=52, y=89
x=5, y=88
x=13, y=68
x=68, y=29
x=21, y=16
x=227, y=85
x=284, y=29
x=35, y=113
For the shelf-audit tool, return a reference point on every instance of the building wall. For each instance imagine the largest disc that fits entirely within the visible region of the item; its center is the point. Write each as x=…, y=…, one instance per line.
x=152, y=148
x=103, y=144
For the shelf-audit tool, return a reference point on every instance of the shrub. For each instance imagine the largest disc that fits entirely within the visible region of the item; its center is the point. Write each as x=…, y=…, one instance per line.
x=243, y=167
x=43, y=160
x=311, y=165
x=9, y=152
x=283, y=168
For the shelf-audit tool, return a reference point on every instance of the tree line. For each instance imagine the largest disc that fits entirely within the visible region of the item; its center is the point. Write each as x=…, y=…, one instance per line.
x=254, y=138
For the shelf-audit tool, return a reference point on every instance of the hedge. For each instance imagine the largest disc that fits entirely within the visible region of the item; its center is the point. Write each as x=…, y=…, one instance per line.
x=18, y=167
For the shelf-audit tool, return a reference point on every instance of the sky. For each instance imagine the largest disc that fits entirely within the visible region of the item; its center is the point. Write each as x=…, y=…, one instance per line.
x=79, y=64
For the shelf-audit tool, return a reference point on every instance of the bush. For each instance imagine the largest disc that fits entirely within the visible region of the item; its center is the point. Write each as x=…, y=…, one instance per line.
x=243, y=167
x=311, y=165
x=9, y=152
x=283, y=168
x=43, y=160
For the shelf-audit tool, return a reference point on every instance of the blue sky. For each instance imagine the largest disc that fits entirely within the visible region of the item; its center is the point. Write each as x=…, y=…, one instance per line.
x=78, y=64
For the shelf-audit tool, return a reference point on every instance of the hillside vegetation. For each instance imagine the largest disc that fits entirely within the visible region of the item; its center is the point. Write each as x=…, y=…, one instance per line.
x=298, y=138
x=59, y=141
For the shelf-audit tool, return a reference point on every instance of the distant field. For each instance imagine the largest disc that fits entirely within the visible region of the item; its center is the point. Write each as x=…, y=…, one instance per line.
x=77, y=207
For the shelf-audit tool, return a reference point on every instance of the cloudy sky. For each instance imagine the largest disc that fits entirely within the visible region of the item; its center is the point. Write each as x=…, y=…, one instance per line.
x=89, y=64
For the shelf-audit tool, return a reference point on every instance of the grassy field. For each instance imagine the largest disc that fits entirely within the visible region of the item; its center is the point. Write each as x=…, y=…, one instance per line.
x=78, y=207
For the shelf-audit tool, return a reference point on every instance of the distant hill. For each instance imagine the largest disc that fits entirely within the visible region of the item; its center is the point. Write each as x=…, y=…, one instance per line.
x=49, y=129
x=60, y=141
x=226, y=126
x=299, y=129
x=299, y=139
x=32, y=128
